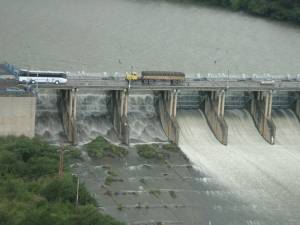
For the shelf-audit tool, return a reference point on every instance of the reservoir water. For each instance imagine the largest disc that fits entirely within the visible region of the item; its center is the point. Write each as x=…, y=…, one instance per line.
x=113, y=35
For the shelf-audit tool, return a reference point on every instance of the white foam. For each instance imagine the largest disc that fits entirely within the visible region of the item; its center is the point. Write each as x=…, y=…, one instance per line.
x=254, y=170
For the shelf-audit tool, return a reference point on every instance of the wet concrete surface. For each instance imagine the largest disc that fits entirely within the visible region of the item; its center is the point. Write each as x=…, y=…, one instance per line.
x=166, y=191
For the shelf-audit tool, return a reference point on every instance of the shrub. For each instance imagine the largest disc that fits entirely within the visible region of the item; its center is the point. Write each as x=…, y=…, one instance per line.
x=149, y=151
x=31, y=195
x=63, y=189
x=112, y=173
x=276, y=9
x=99, y=148
x=109, y=180
x=25, y=157
x=172, y=194
x=171, y=147
x=155, y=193
x=72, y=153
x=89, y=215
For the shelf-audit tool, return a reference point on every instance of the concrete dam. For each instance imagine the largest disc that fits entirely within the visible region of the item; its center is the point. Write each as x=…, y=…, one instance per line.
x=151, y=116
x=244, y=133
x=94, y=118
x=132, y=112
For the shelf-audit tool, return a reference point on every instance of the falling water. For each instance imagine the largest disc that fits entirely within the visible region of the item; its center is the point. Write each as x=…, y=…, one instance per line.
x=48, y=121
x=260, y=174
x=143, y=119
x=94, y=119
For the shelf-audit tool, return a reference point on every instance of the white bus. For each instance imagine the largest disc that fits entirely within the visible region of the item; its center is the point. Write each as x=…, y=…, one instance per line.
x=35, y=76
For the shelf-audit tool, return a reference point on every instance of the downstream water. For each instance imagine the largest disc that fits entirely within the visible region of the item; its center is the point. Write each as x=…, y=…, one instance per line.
x=263, y=176
x=113, y=35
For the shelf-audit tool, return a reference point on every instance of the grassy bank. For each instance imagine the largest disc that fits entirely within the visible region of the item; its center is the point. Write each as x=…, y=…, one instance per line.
x=286, y=10
x=31, y=193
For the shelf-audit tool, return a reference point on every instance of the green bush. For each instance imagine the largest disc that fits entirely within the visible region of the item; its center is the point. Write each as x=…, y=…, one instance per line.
x=24, y=157
x=100, y=147
x=172, y=194
x=64, y=190
x=235, y=4
x=287, y=10
x=48, y=214
x=149, y=151
x=155, y=193
x=88, y=215
x=32, y=194
x=112, y=173
x=72, y=153
x=109, y=179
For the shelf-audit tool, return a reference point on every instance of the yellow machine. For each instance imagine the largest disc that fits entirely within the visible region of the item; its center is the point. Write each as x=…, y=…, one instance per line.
x=132, y=76
x=150, y=77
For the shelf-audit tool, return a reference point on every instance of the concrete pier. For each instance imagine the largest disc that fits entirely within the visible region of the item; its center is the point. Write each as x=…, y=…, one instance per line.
x=214, y=112
x=17, y=115
x=261, y=112
x=167, y=108
x=297, y=105
x=67, y=101
x=119, y=109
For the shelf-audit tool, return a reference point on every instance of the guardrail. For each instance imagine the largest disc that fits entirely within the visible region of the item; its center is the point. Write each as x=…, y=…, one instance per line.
x=241, y=77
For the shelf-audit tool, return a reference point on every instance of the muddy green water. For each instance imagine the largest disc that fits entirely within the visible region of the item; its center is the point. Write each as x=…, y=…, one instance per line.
x=113, y=35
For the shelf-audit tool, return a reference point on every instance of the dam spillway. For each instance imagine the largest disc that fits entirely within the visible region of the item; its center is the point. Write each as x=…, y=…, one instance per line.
x=143, y=120
x=261, y=175
x=48, y=122
x=87, y=112
x=114, y=104
x=94, y=119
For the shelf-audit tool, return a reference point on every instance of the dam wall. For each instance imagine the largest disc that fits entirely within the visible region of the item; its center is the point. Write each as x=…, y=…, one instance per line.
x=297, y=105
x=214, y=112
x=67, y=100
x=134, y=115
x=128, y=111
x=118, y=107
x=17, y=115
x=261, y=112
x=167, y=107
